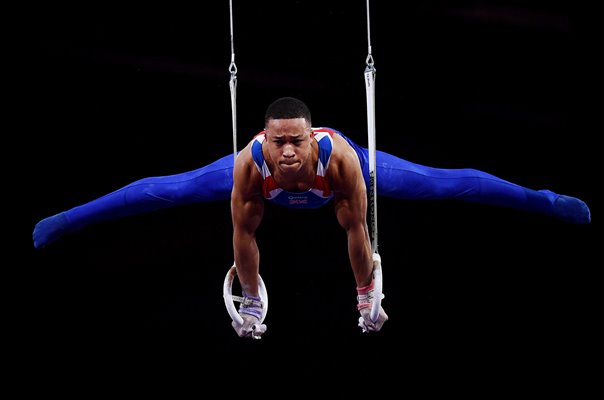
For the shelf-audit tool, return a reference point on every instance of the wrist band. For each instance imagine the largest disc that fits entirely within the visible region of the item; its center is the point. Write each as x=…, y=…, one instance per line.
x=365, y=296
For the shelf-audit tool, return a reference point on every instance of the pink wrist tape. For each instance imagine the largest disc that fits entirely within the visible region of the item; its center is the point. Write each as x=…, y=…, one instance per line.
x=365, y=295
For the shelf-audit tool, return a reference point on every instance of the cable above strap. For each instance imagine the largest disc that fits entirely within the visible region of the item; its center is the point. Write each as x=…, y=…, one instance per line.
x=370, y=92
x=233, y=83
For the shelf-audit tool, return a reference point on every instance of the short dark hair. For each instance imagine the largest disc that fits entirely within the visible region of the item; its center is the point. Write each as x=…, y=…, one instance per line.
x=287, y=108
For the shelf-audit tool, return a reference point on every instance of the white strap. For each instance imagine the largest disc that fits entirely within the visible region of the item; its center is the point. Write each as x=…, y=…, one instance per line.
x=377, y=287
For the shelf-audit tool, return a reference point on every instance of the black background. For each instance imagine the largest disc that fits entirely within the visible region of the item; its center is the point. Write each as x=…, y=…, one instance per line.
x=118, y=95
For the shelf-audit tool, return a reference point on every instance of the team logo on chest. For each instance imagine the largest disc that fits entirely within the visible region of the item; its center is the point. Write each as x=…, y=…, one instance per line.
x=297, y=200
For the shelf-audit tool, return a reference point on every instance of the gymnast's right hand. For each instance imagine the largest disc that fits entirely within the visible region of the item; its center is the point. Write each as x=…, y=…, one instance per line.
x=251, y=327
x=251, y=313
x=49, y=229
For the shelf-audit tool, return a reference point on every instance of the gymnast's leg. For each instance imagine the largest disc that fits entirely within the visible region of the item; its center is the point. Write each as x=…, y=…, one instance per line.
x=402, y=179
x=210, y=183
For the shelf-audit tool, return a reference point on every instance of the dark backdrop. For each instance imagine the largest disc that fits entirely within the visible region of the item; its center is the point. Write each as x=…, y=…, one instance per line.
x=120, y=95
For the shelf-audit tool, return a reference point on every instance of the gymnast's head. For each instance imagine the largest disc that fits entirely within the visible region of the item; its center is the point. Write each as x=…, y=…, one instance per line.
x=288, y=133
x=287, y=108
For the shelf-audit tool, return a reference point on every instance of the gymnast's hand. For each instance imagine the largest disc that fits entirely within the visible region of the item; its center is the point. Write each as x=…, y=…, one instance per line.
x=251, y=312
x=365, y=322
x=49, y=229
x=365, y=297
x=251, y=327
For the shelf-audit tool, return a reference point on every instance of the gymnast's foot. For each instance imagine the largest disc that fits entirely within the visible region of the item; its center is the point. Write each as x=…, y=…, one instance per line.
x=50, y=229
x=570, y=209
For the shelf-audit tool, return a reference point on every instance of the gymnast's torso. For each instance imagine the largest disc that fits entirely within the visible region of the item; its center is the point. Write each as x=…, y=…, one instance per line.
x=318, y=195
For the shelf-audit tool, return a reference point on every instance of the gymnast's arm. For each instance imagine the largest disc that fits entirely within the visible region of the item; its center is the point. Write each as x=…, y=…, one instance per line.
x=247, y=210
x=350, y=202
x=346, y=178
x=210, y=183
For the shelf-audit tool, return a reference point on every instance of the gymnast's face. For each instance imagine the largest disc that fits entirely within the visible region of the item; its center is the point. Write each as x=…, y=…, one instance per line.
x=289, y=145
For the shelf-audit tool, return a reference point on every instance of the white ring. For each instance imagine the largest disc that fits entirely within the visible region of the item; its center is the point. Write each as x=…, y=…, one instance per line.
x=227, y=294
